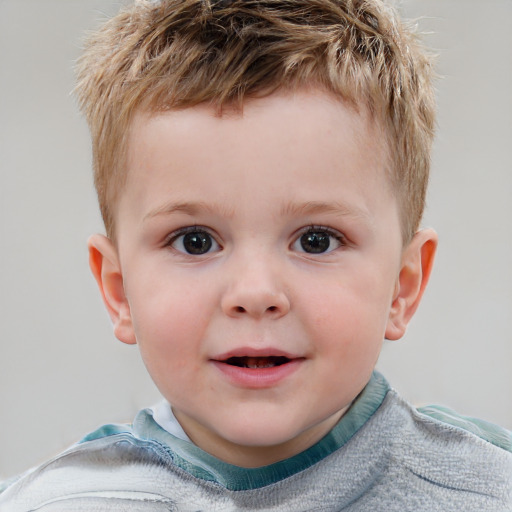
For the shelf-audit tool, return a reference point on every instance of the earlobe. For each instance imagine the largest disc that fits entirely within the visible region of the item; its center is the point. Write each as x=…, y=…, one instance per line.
x=416, y=266
x=106, y=268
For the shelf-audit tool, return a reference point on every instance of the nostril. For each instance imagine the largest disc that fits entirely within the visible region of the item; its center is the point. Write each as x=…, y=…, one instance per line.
x=241, y=309
x=255, y=303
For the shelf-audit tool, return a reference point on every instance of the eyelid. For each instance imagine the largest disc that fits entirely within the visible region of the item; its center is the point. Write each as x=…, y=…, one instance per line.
x=325, y=229
x=184, y=231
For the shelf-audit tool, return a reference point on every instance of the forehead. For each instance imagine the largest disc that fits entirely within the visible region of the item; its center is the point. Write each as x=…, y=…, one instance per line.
x=296, y=144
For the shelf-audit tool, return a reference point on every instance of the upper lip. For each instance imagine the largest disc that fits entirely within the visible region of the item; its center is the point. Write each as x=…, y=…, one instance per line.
x=252, y=352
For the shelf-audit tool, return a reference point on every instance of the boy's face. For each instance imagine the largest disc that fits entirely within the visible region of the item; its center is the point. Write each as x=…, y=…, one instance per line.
x=257, y=267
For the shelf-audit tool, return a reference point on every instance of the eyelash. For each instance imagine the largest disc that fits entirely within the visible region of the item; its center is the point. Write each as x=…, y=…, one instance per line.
x=172, y=237
x=324, y=229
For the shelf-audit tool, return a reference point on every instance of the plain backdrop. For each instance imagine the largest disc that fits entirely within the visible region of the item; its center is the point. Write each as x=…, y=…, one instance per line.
x=62, y=373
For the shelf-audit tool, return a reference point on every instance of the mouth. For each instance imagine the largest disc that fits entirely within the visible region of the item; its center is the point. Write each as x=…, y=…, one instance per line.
x=261, y=368
x=257, y=362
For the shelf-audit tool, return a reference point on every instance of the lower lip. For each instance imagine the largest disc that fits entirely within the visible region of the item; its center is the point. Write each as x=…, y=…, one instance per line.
x=258, y=378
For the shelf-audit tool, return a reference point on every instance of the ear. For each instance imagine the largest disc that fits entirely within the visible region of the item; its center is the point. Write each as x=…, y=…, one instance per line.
x=106, y=268
x=417, y=262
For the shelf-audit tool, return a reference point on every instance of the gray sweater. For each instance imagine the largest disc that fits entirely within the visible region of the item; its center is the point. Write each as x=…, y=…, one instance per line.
x=384, y=455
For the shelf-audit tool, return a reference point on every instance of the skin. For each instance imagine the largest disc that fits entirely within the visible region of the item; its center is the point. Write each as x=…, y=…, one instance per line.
x=259, y=187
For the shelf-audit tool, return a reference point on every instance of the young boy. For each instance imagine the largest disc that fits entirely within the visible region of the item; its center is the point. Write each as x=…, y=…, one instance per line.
x=261, y=168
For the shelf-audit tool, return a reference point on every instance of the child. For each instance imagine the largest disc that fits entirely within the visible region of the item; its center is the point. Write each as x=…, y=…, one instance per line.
x=261, y=168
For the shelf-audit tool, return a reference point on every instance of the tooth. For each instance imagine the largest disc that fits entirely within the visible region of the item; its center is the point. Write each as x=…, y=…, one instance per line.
x=254, y=362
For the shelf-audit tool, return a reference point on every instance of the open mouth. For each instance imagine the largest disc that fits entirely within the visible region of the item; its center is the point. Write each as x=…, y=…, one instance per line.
x=257, y=362
x=251, y=368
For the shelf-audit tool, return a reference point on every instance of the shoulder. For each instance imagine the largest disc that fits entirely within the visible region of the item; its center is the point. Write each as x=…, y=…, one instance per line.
x=445, y=450
x=111, y=463
x=483, y=430
x=439, y=424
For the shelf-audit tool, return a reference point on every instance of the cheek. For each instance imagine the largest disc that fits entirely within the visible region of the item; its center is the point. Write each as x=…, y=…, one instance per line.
x=169, y=338
x=166, y=321
x=168, y=303
x=348, y=322
x=355, y=309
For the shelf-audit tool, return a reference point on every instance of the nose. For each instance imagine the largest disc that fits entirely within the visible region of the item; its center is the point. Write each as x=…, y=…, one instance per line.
x=255, y=291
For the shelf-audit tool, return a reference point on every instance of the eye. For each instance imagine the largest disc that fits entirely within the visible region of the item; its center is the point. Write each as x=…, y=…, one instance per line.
x=318, y=240
x=194, y=241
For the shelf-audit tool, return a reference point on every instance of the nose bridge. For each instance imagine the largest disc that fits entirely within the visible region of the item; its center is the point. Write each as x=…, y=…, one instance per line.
x=255, y=285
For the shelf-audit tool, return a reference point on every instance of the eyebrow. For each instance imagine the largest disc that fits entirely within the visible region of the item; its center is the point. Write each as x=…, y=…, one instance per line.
x=335, y=208
x=187, y=208
x=290, y=209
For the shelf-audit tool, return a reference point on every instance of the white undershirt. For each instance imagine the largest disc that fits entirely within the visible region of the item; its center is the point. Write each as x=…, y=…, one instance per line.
x=163, y=415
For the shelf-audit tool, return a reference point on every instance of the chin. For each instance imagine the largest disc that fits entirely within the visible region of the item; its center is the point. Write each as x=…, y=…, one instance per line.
x=259, y=435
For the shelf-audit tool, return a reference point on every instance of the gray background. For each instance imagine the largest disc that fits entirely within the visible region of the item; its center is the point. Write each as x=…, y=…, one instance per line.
x=62, y=373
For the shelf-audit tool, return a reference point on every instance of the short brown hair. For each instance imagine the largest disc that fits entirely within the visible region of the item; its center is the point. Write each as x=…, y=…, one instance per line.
x=169, y=54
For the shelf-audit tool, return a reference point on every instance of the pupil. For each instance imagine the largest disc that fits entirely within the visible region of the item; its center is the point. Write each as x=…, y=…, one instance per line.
x=315, y=242
x=197, y=243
